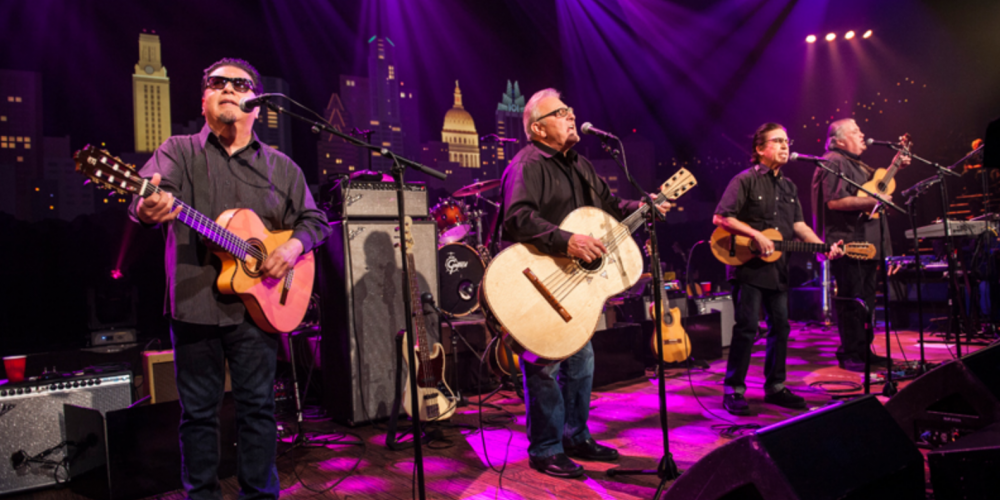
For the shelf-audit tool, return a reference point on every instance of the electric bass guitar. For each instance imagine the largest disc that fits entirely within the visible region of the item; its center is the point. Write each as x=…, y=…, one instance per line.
x=548, y=306
x=882, y=181
x=243, y=244
x=432, y=403
x=736, y=250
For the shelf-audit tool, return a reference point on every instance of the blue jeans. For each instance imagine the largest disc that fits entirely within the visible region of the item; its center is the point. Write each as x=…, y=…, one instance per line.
x=749, y=300
x=200, y=354
x=557, y=398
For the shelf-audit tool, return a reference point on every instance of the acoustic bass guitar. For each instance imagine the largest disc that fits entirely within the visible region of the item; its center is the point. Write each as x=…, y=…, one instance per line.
x=736, y=250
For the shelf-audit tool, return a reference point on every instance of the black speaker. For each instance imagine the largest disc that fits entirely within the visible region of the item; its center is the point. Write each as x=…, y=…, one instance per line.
x=852, y=450
x=619, y=353
x=135, y=452
x=952, y=400
x=32, y=420
x=361, y=298
x=967, y=468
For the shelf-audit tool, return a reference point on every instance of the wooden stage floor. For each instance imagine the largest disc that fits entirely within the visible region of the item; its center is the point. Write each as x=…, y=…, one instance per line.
x=624, y=415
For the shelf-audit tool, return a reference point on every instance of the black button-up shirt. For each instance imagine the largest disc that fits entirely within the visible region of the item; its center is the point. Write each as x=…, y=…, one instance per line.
x=762, y=200
x=256, y=177
x=838, y=225
x=541, y=186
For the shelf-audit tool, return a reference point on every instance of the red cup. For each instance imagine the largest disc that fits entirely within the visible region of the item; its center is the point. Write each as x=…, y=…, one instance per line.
x=706, y=287
x=15, y=368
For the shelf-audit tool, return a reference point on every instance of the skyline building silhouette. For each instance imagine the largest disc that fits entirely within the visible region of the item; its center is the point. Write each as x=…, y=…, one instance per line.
x=150, y=96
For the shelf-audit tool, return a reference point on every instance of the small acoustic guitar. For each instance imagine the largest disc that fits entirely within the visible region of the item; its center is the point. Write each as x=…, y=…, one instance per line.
x=882, y=181
x=736, y=250
x=676, y=344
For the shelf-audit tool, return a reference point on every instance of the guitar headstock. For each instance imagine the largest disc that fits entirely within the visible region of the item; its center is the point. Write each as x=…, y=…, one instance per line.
x=680, y=183
x=108, y=171
x=408, y=234
x=860, y=250
x=905, y=141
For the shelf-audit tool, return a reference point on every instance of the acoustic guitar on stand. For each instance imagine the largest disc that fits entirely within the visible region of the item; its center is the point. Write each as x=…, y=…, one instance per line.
x=433, y=404
x=736, y=250
x=882, y=181
x=242, y=243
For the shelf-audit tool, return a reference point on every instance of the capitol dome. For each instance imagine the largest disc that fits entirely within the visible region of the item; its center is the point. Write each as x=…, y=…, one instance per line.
x=459, y=132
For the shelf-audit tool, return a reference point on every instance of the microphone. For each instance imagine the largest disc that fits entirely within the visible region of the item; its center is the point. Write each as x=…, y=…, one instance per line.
x=587, y=128
x=247, y=104
x=427, y=298
x=880, y=143
x=798, y=157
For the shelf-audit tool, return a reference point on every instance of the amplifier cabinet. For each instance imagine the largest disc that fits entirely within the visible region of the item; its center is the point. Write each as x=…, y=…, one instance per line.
x=723, y=304
x=158, y=380
x=32, y=420
x=375, y=200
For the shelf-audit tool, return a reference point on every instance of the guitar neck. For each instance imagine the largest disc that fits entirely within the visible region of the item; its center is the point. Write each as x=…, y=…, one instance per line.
x=634, y=221
x=419, y=321
x=801, y=246
x=208, y=228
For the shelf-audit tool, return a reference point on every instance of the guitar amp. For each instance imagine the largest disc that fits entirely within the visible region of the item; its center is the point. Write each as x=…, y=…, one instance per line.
x=367, y=199
x=721, y=303
x=32, y=421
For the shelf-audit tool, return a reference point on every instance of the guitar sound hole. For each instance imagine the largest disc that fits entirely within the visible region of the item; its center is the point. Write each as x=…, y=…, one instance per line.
x=592, y=265
x=252, y=268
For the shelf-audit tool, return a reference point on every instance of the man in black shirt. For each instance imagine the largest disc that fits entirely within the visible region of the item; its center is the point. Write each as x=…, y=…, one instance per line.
x=225, y=166
x=756, y=199
x=544, y=182
x=841, y=214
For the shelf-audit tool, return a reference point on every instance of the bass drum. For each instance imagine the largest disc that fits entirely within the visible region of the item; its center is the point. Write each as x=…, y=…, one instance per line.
x=460, y=271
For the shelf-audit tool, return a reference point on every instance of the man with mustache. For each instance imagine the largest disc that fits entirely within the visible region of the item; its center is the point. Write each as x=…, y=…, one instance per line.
x=544, y=182
x=222, y=167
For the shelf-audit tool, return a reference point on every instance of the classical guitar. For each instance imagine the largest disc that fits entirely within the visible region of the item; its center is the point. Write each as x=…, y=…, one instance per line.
x=243, y=244
x=736, y=250
x=433, y=404
x=882, y=181
x=548, y=306
x=676, y=344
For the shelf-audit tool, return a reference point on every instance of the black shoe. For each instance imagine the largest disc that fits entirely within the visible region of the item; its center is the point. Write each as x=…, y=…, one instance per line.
x=558, y=465
x=852, y=365
x=590, y=450
x=786, y=399
x=878, y=361
x=736, y=404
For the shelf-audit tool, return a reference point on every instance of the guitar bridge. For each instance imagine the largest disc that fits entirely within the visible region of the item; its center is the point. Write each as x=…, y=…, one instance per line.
x=551, y=299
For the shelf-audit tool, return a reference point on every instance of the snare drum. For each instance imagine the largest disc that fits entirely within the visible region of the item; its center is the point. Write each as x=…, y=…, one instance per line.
x=452, y=221
x=460, y=273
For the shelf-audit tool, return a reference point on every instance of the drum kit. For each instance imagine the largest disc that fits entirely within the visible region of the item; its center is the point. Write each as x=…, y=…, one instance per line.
x=462, y=254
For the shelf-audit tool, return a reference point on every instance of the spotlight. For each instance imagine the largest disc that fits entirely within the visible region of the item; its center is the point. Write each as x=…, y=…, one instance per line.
x=831, y=37
x=849, y=35
x=116, y=274
x=810, y=38
x=868, y=34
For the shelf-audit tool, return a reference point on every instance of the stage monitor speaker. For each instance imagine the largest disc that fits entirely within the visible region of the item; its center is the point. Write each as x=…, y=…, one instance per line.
x=852, y=450
x=135, y=452
x=968, y=467
x=361, y=295
x=158, y=380
x=721, y=303
x=952, y=400
x=32, y=421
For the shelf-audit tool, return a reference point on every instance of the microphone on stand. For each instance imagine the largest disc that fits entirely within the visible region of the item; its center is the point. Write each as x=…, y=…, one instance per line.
x=880, y=143
x=247, y=104
x=800, y=157
x=587, y=128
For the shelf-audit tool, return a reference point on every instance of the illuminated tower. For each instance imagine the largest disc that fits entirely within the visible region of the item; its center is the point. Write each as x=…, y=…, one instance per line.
x=510, y=124
x=459, y=133
x=150, y=96
x=385, y=119
x=272, y=128
x=22, y=192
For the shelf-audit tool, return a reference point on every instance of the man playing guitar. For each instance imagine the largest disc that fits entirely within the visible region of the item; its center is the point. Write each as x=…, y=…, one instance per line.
x=223, y=167
x=841, y=214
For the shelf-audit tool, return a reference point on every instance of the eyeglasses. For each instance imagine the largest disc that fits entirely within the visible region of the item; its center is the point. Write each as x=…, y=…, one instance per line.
x=241, y=85
x=781, y=140
x=559, y=113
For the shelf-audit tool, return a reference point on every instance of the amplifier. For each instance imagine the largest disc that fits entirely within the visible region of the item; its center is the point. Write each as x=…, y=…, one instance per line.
x=158, y=376
x=374, y=199
x=723, y=304
x=32, y=421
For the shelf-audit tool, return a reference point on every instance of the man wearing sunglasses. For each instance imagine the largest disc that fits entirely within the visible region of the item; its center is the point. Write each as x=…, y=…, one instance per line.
x=544, y=182
x=222, y=167
x=758, y=198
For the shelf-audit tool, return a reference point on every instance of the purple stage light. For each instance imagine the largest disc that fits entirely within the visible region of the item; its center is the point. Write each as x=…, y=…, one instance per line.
x=811, y=39
x=849, y=35
x=831, y=37
x=868, y=34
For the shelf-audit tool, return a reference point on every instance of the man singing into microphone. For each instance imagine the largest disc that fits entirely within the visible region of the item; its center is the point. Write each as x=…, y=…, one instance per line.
x=756, y=199
x=840, y=214
x=222, y=167
x=544, y=182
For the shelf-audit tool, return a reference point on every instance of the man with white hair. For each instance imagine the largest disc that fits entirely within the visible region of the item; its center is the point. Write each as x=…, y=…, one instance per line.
x=544, y=182
x=841, y=214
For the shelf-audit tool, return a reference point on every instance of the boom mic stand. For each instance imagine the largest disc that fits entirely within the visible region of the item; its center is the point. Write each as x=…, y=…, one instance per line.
x=913, y=194
x=667, y=468
x=399, y=165
x=889, y=389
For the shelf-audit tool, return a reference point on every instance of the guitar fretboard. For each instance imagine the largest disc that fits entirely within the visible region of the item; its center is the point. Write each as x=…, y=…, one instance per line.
x=800, y=246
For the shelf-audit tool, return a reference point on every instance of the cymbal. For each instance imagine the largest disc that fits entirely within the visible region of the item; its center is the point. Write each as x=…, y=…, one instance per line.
x=477, y=188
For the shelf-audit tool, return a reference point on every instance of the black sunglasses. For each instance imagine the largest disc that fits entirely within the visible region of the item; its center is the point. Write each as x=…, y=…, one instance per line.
x=240, y=85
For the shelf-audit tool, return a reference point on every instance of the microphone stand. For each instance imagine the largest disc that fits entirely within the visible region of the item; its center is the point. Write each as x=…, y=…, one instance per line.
x=957, y=302
x=667, y=468
x=889, y=389
x=399, y=165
